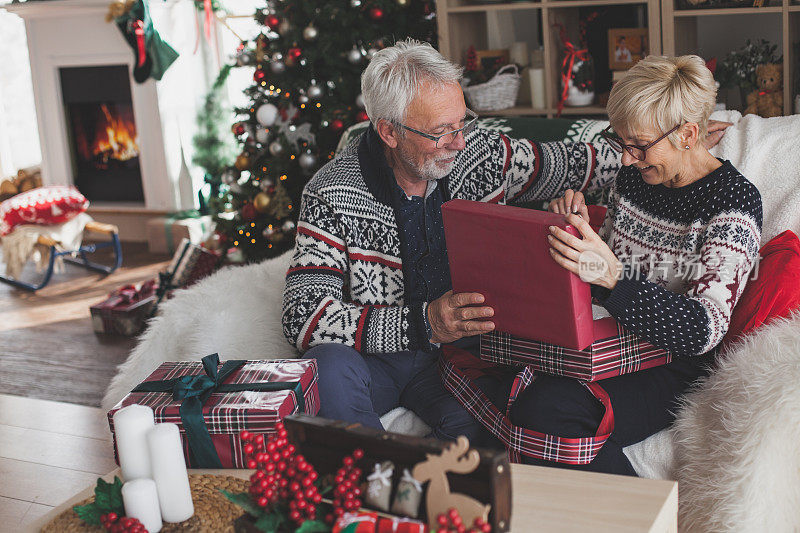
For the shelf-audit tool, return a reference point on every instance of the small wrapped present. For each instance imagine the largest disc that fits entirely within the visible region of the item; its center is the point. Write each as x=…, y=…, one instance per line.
x=190, y=263
x=379, y=486
x=614, y=351
x=360, y=522
x=125, y=310
x=212, y=402
x=408, y=496
x=164, y=234
x=399, y=525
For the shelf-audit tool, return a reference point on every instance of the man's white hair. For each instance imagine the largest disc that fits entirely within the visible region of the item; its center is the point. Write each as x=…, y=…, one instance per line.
x=393, y=76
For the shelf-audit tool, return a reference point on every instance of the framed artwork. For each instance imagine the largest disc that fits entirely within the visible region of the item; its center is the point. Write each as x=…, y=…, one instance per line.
x=626, y=46
x=489, y=59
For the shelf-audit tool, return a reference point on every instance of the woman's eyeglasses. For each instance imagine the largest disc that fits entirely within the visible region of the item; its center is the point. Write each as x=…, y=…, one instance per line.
x=638, y=152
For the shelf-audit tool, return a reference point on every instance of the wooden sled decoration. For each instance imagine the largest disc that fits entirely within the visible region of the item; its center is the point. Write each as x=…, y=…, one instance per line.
x=457, y=458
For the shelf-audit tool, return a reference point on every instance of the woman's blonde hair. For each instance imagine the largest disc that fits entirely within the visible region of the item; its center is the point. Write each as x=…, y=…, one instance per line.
x=660, y=92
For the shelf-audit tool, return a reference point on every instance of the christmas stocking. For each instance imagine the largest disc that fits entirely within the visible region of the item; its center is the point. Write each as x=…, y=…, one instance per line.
x=153, y=56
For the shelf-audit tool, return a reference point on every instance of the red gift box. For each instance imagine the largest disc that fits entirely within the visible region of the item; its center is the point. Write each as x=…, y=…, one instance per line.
x=360, y=522
x=234, y=404
x=190, y=263
x=399, y=525
x=613, y=352
x=125, y=310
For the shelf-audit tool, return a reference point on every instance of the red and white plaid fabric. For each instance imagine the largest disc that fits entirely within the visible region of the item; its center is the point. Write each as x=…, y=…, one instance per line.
x=522, y=441
x=226, y=414
x=607, y=357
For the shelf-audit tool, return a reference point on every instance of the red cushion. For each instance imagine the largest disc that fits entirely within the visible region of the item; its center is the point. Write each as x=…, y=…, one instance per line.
x=45, y=205
x=776, y=290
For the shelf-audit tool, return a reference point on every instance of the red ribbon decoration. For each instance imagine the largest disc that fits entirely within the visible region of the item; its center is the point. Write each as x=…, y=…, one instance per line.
x=571, y=54
x=128, y=294
x=138, y=28
x=209, y=19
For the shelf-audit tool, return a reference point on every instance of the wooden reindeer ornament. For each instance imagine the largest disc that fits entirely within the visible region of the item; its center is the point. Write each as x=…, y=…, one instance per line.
x=456, y=458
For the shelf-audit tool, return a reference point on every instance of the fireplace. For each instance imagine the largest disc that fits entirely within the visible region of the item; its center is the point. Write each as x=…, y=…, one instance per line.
x=103, y=141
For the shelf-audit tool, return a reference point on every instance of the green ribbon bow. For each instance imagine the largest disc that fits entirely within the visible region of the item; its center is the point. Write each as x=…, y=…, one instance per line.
x=193, y=392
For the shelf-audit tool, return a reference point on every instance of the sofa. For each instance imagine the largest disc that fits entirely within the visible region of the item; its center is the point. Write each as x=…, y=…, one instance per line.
x=733, y=446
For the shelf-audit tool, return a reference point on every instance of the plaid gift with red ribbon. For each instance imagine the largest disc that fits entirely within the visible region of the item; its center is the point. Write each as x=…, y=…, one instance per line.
x=125, y=310
x=241, y=406
x=615, y=351
x=190, y=264
x=518, y=440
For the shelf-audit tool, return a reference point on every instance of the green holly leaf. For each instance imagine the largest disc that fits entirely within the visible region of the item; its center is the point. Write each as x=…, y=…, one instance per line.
x=270, y=523
x=108, y=496
x=312, y=526
x=89, y=513
x=243, y=500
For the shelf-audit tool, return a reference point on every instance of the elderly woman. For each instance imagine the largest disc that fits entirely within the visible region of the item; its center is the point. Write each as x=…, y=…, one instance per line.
x=680, y=237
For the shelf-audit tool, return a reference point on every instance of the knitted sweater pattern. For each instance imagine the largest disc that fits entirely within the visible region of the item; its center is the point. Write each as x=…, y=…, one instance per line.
x=345, y=280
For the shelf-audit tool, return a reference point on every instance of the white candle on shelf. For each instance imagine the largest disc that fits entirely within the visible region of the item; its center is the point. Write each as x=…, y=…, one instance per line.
x=141, y=502
x=537, y=87
x=169, y=473
x=131, y=424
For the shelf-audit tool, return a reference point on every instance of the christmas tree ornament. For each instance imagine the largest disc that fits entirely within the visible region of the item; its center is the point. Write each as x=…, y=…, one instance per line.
x=355, y=3
x=242, y=161
x=371, y=53
x=248, y=212
x=302, y=99
x=267, y=184
x=238, y=129
x=330, y=84
x=302, y=61
x=276, y=148
x=288, y=226
x=314, y=91
x=354, y=55
x=402, y=3
x=362, y=116
x=337, y=125
x=294, y=52
x=298, y=134
x=267, y=114
x=229, y=177
x=376, y=13
x=262, y=135
x=284, y=27
x=310, y=33
x=360, y=100
x=379, y=486
x=259, y=75
x=307, y=161
x=408, y=496
x=277, y=67
x=269, y=232
x=272, y=21
x=261, y=202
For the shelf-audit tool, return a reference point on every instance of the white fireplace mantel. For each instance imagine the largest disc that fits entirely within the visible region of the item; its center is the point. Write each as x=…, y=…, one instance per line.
x=71, y=33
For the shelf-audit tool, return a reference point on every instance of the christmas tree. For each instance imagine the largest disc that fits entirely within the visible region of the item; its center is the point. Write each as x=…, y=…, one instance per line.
x=308, y=61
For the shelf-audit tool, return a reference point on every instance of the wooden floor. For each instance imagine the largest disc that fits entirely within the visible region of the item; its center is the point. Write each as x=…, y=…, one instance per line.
x=48, y=452
x=48, y=349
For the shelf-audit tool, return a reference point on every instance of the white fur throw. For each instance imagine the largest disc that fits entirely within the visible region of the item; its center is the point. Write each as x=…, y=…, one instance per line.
x=737, y=439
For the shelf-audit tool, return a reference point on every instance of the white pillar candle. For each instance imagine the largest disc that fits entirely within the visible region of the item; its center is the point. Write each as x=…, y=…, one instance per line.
x=141, y=502
x=169, y=473
x=131, y=424
x=537, y=87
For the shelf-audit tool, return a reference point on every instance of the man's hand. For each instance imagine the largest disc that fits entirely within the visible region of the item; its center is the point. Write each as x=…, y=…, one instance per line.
x=572, y=202
x=452, y=316
x=589, y=257
x=716, y=129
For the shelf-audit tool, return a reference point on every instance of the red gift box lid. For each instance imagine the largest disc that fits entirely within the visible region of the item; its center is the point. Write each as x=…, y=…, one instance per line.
x=502, y=252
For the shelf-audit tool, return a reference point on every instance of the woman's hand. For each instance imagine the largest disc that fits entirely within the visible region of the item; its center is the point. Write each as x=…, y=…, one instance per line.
x=572, y=202
x=590, y=257
x=716, y=129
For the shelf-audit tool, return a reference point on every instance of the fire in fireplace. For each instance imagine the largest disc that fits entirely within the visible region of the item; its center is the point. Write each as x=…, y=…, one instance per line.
x=104, y=145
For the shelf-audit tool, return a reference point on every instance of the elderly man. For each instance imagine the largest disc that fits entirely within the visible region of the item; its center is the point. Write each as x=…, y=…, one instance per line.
x=368, y=290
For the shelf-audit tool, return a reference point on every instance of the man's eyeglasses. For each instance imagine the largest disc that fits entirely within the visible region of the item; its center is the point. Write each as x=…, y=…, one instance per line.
x=469, y=123
x=639, y=152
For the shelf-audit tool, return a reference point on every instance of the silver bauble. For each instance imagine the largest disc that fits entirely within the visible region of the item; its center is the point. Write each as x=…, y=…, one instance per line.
x=262, y=135
x=307, y=161
x=310, y=33
x=355, y=3
x=314, y=91
x=360, y=101
x=330, y=85
x=266, y=115
x=284, y=27
x=354, y=56
x=277, y=56
x=302, y=99
x=288, y=226
x=276, y=148
x=277, y=67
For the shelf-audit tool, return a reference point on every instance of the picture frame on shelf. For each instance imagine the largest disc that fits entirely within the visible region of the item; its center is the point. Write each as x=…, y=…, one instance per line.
x=626, y=46
x=488, y=59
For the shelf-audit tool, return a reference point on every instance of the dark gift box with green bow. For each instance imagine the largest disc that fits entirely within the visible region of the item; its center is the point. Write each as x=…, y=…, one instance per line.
x=213, y=402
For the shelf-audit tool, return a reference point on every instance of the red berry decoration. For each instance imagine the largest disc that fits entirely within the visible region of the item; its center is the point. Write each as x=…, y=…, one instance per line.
x=295, y=52
x=272, y=21
x=376, y=13
x=121, y=524
x=259, y=75
x=452, y=522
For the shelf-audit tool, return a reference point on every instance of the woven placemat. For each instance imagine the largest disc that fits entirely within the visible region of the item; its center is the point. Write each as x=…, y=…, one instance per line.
x=212, y=511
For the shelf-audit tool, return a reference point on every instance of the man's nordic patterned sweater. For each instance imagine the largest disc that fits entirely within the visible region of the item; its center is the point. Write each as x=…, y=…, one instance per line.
x=345, y=280
x=694, y=247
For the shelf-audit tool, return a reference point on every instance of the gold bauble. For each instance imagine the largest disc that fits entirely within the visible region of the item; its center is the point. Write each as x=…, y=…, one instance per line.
x=403, y=3
x=242, y=162
x=261, y=202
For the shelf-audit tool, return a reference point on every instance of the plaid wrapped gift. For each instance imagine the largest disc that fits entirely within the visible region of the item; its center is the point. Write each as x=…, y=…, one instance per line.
x=212, y=403
x=519, y=440
x=190, y=263
x=125, y=310
x=613, y=352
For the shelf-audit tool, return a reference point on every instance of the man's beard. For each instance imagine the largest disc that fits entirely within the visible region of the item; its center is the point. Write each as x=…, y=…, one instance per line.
x=429, y=170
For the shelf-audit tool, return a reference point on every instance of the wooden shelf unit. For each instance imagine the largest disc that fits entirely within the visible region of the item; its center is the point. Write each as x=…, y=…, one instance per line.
x=679, y=35
x=463, y=23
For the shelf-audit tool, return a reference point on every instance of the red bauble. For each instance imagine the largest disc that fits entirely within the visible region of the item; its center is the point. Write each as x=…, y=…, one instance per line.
x=337, y=125
x=249, y=212
x=295, y=52
x=272, y=21
x=259, y=75
x=376, y=13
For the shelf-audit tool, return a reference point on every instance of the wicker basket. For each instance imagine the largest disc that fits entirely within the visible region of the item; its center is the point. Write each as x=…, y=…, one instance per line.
x=500, y=92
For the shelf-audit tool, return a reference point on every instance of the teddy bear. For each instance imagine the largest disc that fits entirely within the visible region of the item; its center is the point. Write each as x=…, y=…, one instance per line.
x=25, y=180
x=767, y=99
